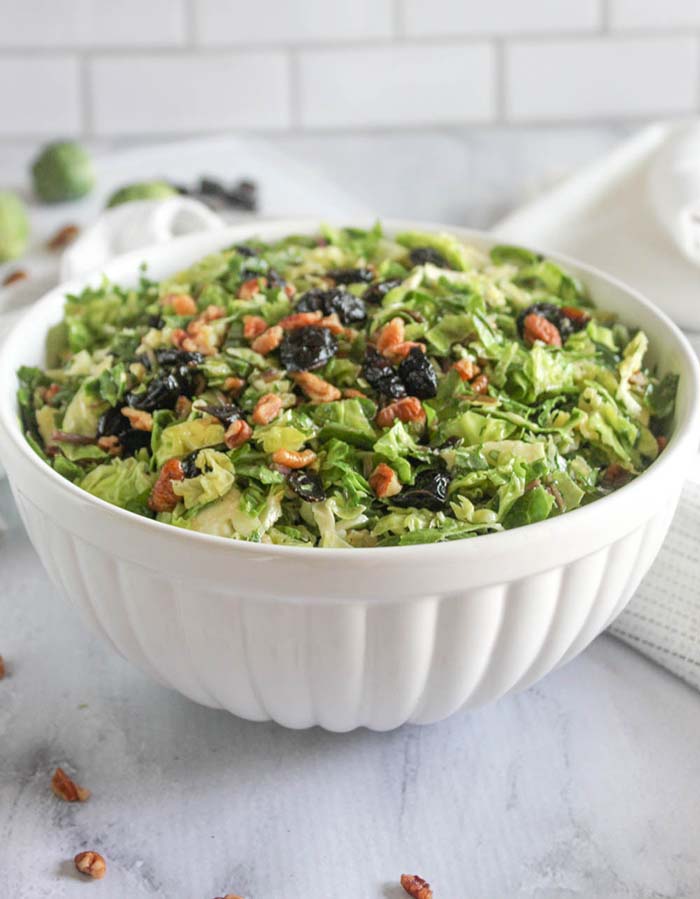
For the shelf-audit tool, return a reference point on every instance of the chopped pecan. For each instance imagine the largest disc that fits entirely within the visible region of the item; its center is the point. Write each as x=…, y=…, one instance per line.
x=661, y=442
x=229, y=896
x=51, y=392
x=351, y=393
x=292, y=459
x=237, y=433
x=615, y=475
x=140, y=420
x=63, y=237
x=315, y=388
x=536, y=327
x=466, y=369
x=3, y=671
x=212, y=313
x=182, y=303
x=391, y=335
x=384, y=481
x=253, y=326
x=401, y=350
x=163, y=498
x=18, y=274
x=576, y=315
x=249, y=288
x=178, y=337
x=290, y=290
x=233, y=385
x=66, y=788
x=91, y=863
x=480, y=384
x=110, y=445
x=335, y=326
x=408, y=408
x=267, y=408
x=183, y=406
x=268, y=341
x=301, y=320
x=416, y=887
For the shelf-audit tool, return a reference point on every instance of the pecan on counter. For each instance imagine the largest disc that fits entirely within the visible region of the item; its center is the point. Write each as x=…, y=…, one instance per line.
x=91, y=863
x=416, y=887
x=66, y=788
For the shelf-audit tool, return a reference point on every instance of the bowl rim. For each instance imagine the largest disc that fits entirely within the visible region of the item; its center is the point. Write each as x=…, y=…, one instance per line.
x=512, y=540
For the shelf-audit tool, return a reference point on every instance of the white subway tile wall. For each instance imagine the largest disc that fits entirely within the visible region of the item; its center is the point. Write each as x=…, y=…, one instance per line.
x=297, y=67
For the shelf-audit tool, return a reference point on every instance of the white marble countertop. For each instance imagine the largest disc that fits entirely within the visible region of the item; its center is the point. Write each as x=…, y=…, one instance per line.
x=583, y=786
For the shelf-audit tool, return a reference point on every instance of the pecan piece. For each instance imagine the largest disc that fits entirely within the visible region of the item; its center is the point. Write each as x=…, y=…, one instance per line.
x=615, y=475
x=384, y=481
x=661, y=442
x=212, y=313
x=466, y=369
x=292, y=459
x=110, y=444
x=578, y=316
x=182, y=303
x=249, y=288
x=408, y=408
x=183, y=406
x=3, y=671
x=416, y=887
x=391, y=335
x=140, y=420
x=253, y=326
x=301, y=320
x=66, y=788
x=268, y=341
x=401, y=350
x=91, y=863
x=480, y=384
x=15, y=276
x=536, y=327
x=267, y=408
x=63, y=237
x=315, y=388
x=233, y=385
x=163, y=498
x=351, y=393
x=237, y=433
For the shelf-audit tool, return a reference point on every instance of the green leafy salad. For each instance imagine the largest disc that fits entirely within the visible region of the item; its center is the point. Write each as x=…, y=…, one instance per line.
x=347, y=389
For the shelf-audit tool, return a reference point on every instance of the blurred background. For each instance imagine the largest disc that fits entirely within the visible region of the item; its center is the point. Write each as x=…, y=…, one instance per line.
x=451, y=110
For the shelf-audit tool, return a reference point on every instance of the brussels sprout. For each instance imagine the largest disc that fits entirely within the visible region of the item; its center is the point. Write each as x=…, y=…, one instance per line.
x=14, y=226
x=143, y=190
x=63, y=171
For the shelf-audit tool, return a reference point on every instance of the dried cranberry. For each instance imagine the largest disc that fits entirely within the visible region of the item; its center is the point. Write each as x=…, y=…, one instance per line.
x=418, y=375
x=307, y=485
x=161, y=393
x=304, y=349
x=351, y=275
x=375, y=293
x=381, y=375
x=428, y=492
x=245, y=251
x=350, y=309
x=427, y=255
x=227, y=413
x=113, y=423
x=171, y=357
x=155, y=321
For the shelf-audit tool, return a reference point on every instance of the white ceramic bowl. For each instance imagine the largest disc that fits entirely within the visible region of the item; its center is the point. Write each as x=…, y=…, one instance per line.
x=345, y=638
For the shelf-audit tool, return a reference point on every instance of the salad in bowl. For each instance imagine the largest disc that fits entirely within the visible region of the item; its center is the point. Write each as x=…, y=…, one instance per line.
x=347, y=389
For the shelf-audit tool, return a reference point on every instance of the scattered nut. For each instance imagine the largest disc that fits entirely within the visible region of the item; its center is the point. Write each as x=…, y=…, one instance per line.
x=67, y=789
x=416, y=887
x=18, y=274
x=253, y=326
x=163, y=497
x=182, y=303
x=3, y=672
x=212, y=313
x=140, y=420
x=292, y=459
x=183, y=406
x=384, y=481
x=536, y=327
x=351, y=393
x=466, y=369
x=615, y=475
x=408, y=408
x=268, y=341
x=91, y=863
x=110, y=445
x=229, y=896
x=576, y=315
x=267, y=408
x=315, y=388
x=237, y=433
x=301, y=320
x=64, y=236
x=661, y=442
x=480, y=384
x=233, y=385
x=249, y=288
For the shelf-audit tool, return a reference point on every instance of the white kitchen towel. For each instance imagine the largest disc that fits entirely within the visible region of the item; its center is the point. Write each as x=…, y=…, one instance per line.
x=630, y=214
